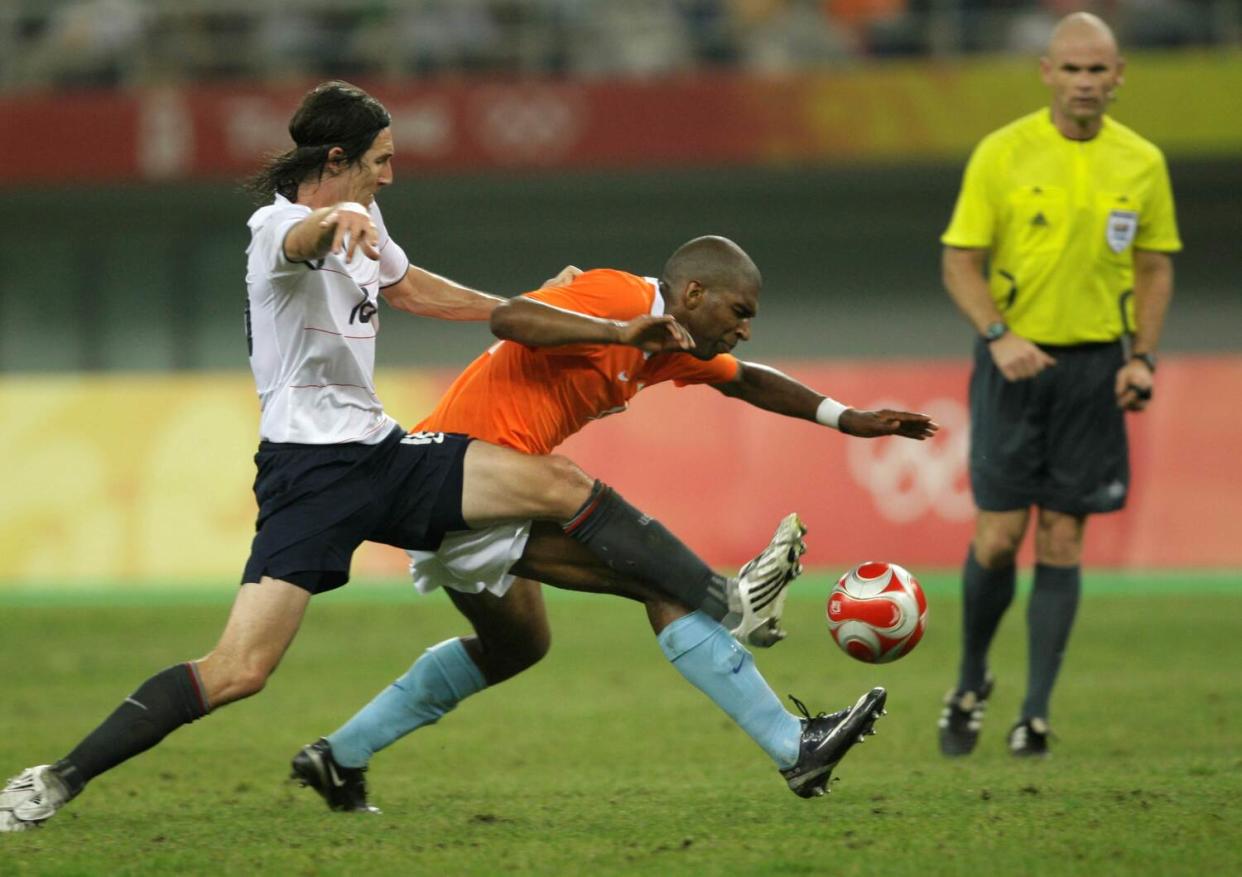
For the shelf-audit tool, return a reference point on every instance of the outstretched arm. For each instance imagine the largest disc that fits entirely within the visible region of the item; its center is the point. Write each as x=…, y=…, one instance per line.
x=325, y=231
x=425, y=294
x=772, y=390
x=537, y=324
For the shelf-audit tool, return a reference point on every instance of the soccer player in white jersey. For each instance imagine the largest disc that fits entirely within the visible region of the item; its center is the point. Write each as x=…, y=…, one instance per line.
x=334, y=469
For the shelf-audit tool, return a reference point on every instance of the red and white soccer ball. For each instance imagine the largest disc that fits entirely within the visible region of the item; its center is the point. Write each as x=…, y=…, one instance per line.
x=877, y=612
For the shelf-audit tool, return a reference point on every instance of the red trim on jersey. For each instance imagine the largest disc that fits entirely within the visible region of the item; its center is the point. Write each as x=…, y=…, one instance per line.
x=338, y=334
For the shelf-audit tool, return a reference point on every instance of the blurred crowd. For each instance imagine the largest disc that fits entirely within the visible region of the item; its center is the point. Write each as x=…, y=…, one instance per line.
x=66, y=43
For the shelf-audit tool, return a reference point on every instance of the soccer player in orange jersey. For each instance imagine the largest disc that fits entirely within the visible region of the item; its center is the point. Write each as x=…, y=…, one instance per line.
x=569, y=354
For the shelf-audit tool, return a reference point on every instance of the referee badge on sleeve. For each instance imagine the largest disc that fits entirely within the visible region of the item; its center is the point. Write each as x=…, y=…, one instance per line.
x=1122, y=227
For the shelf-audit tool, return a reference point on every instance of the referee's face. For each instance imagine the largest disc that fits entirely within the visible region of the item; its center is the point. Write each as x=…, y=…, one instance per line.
x=1082, y=70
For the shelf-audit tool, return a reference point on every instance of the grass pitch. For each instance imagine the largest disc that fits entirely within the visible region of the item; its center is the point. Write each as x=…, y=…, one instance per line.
x=602, y=760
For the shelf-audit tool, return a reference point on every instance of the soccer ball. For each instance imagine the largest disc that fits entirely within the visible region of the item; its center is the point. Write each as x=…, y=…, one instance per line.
x=877, y=612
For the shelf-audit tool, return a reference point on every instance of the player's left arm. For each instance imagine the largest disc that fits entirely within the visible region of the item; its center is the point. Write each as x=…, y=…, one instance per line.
x=1153, y=290
x=539, y=324
x=772, y=390
x=425, y=294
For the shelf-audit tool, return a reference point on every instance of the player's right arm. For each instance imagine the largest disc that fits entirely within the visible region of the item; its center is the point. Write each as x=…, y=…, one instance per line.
x=324, y=231
x=967, y=241
x=538, y=324
x=961, y=271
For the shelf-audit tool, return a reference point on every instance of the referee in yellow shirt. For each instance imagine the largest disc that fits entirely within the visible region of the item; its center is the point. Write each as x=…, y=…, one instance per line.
x=1058, y=254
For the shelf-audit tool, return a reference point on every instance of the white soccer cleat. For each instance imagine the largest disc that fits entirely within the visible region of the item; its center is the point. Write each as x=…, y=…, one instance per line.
x=757, y=595
x=31, y=798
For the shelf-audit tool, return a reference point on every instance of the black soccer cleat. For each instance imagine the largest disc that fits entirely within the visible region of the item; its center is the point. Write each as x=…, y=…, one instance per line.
x=827, y=738
x=1029, y=738
x=962, y=717
x=342, y=788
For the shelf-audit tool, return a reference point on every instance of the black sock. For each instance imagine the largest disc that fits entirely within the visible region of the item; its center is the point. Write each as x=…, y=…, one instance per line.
x=986, y=594
x=1049, y=617
x=165, y=702
x=629, y=542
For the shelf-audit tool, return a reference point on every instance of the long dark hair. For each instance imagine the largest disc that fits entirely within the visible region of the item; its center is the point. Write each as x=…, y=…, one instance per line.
x=332, y=114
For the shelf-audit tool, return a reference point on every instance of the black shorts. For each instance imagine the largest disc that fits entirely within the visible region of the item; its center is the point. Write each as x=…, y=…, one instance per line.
x=318, y=503
x=1057, y=441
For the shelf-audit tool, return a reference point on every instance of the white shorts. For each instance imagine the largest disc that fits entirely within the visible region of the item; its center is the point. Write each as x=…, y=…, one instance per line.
x=471, y=561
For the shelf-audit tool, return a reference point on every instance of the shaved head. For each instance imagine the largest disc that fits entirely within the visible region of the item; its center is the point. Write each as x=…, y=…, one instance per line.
x=712, y=289
x=1078, y=29
x=714, y=262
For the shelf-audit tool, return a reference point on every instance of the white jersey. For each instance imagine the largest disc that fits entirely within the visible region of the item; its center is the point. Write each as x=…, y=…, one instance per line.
x=311, y=328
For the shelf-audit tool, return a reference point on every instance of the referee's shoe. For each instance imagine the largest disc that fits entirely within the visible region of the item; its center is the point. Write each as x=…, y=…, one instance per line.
x=343, y=788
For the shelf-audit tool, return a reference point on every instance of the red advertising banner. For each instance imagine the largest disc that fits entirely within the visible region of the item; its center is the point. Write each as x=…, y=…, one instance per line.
x=721, y=474
x=910, y=110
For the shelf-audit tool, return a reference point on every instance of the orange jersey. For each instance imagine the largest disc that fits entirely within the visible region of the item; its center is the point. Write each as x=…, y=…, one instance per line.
x=533, y=398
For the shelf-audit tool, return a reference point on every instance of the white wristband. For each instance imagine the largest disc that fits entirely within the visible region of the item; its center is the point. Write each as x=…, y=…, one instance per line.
x=829, y=412
x=353, y=207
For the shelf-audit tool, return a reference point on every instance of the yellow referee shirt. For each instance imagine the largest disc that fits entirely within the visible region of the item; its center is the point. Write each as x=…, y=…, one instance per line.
x=1061, y=219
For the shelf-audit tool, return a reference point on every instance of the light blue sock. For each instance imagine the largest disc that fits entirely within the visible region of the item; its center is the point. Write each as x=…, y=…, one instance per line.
x=442, y=676
x=714, y=663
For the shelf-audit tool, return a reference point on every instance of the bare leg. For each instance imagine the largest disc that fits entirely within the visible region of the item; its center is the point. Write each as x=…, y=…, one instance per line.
x=264, y=619
x=510, y=633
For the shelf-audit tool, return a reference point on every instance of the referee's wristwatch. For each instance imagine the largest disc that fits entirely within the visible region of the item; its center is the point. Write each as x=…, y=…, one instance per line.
x=1148, y=359
x=994, y=331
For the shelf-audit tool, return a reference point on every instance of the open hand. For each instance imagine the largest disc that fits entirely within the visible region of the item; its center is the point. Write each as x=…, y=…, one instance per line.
x=870, y=424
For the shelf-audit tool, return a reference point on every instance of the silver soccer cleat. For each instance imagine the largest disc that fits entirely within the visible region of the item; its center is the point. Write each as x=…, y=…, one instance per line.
x=757, y=595
x=31, y=798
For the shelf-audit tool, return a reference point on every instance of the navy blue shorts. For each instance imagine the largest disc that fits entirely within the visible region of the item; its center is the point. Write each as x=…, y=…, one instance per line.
x=318, y=503
x=1056, y=441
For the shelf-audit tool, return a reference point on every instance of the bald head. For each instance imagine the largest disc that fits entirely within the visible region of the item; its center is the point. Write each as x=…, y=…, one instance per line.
x=1083, y=70
x=713, y=291
x=714, y=262
x=1081, y=29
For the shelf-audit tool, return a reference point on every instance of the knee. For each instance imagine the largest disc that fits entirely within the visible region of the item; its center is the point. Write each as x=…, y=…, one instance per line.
x=567, y=487
x=228, y=680
x=995, y=550
x=517, y=655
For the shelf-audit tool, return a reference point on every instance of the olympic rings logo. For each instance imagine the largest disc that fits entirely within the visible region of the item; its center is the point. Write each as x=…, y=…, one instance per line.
x=908, y=479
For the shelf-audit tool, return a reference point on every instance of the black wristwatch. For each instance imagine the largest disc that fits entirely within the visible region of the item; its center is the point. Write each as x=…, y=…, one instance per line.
x=1148, y=359
x=994, y=331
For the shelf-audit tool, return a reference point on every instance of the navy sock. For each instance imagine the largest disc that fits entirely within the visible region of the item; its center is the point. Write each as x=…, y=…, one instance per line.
x=986, y=594
x=1049, y=618
x=641, y=547
x=168, y=700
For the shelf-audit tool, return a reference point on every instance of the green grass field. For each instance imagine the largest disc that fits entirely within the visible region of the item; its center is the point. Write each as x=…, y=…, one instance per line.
x=602, y=760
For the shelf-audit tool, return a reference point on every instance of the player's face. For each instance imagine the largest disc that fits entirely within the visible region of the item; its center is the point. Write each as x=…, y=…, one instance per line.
x=721, y=319
x=373, y=170
x=1082, y=70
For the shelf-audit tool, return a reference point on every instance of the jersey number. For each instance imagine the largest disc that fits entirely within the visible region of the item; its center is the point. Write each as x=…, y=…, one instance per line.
x=423, y=438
